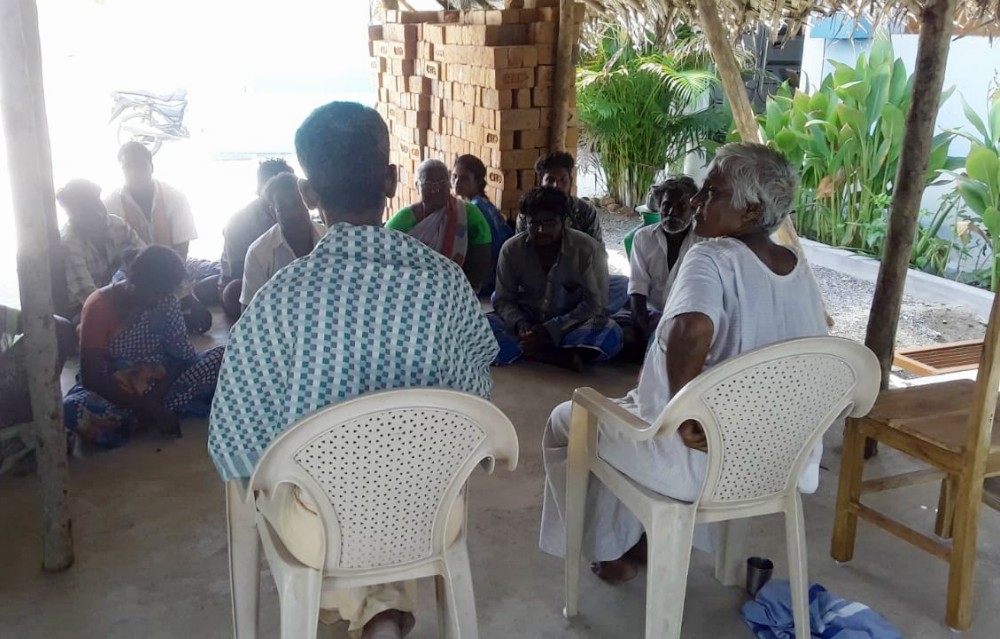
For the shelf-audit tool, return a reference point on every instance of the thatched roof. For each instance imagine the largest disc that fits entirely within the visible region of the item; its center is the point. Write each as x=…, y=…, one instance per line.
x=660, y=16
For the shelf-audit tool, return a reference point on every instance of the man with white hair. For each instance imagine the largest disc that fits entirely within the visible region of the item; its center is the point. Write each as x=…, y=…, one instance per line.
x=735, y=292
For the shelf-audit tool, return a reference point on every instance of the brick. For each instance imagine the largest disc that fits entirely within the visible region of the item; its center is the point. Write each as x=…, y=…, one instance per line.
x=377, y=65
x=515, y=160
x=473, y=17
x=449, y=17
x=546, y=54
x=418, y=84
x=401, y=32
x=519, y=119
x=545, y=116
x=522, y=99
x=504, y=16
x=494, y=178
x=416, y=119
x=431, y=70
x=509, y=78
x=528, y=16
x=494, y=139
x=416, y=17
x=522, y=57
x=392, y=16
x=453, y=34
x=543, y=32
x=541, y=97
x=434, y=33
x=375, y=32
x=526, y=179
x=395, y=50
x=497, y=99
x=548, y=14
x=544, y=76
x=539, y=4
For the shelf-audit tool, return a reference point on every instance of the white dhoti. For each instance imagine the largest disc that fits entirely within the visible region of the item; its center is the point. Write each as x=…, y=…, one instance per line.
x=293, y=516
x=664, y=465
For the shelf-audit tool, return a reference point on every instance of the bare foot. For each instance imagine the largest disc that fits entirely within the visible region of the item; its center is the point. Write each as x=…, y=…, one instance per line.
x=389, y=624
x=639, y=552
x=615, y=572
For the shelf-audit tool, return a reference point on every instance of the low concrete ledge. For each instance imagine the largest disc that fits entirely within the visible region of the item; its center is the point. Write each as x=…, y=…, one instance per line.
x=919, y=285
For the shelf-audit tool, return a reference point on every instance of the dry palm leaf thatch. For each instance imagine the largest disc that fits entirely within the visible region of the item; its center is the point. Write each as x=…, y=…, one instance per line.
x=656, y=19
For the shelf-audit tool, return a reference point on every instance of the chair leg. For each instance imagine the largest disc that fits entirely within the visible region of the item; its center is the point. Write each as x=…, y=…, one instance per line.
x=460, y=599
x=299, y=596
x=945, y=520
x=582, y=446
x=845, y=523
x=795, y=532
x=244, y=561
x=731, y=553
x=669, y=537
x=962, y=568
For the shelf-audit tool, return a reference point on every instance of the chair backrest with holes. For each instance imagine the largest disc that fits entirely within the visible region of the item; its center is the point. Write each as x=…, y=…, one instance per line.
x=385, y=469
x=764, y=412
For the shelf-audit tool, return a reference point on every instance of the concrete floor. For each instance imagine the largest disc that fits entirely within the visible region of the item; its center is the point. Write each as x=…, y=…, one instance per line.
x=151, y=548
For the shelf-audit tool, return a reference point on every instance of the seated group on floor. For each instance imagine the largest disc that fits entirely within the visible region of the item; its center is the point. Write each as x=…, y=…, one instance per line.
x=331, y=312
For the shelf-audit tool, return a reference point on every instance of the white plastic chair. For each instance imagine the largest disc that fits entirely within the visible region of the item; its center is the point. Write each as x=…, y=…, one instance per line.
x=763, y=413
x=384, y=471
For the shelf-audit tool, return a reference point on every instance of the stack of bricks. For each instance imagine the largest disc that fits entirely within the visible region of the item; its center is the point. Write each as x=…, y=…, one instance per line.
x=480, y=82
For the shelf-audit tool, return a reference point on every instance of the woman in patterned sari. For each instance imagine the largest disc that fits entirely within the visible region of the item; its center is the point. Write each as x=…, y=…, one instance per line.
x=136, y=362
x=453, y=228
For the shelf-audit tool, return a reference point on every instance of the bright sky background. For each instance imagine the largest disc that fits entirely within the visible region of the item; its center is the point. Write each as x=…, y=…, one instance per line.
x=253, y=70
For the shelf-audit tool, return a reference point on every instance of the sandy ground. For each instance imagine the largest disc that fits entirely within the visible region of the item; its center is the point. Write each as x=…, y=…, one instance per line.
x=848, y=299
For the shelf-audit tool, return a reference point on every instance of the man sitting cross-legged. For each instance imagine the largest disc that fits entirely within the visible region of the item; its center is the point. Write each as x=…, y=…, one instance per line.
x=552, y=290
x=657, y=252
x=293, y=236
x=369, y=309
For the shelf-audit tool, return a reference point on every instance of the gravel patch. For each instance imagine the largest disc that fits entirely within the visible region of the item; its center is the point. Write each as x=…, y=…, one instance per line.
x=848, y=299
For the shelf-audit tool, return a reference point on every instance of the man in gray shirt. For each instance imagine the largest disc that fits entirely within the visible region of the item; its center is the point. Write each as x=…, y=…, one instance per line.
x=552, y=290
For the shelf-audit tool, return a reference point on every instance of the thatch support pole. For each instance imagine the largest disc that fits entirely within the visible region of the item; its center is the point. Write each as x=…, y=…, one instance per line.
x=729, y=71
x=565, y=76
x=936, y=23
x=30, y=165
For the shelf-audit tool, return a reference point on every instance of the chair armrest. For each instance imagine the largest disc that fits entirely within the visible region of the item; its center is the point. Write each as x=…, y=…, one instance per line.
x=610, y=414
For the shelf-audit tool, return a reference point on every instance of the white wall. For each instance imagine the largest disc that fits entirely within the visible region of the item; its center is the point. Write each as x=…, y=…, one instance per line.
x=972, y=63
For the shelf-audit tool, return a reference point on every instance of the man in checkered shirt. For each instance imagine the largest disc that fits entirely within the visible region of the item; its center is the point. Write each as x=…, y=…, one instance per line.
x=369, y=309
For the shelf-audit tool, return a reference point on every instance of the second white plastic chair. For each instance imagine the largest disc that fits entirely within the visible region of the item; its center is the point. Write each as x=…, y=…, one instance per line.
x=763, y=413
x=384, y=471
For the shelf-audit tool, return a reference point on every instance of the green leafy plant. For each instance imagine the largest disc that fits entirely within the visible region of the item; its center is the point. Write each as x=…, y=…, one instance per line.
x=846, y=139
x=979, y=187
x=638, y=108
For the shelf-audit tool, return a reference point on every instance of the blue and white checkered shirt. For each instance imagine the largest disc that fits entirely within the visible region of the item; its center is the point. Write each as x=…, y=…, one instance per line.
x=369, y=309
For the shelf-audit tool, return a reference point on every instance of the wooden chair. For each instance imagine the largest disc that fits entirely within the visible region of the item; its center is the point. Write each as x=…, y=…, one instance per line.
x=950, y=427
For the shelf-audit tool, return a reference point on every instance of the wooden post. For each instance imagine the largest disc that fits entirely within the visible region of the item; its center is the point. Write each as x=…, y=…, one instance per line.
x=565, y=76
x=936, y=23
x=729, y=71
x=30, y=165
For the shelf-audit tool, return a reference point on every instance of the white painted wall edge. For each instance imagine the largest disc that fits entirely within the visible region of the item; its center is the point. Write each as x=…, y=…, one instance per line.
x=919, y=285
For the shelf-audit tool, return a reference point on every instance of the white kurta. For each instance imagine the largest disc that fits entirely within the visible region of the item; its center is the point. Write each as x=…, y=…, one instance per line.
x=750, y=306
x=650, y=274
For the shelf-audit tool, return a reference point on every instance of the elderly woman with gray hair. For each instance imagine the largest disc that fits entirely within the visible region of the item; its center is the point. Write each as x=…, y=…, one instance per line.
x=736, y=291
x=454, y=228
